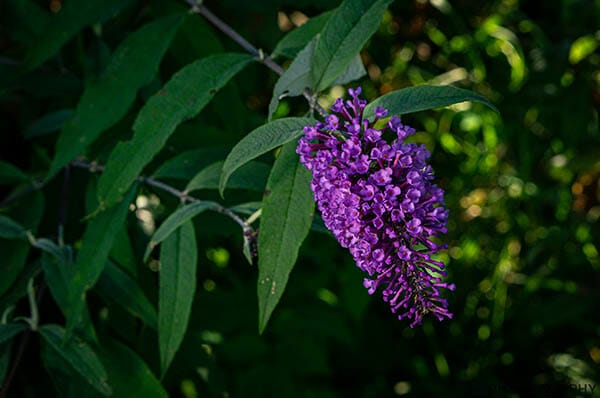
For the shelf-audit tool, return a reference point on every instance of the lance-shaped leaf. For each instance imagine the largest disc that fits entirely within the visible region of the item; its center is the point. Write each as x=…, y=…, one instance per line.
x=259, y=141
x=10, y=174
x=177, y=284
x=297, y=39
x=98, y=239
x=128, y=374
x=353, y=72
x=252, y=175
x=119, y=287
x=287, y=214
x=420, y=98
x=10, y=330
x=49, y=123
x=182, y=98
x=58, y=266
x=175, y=220
x=73, y=16
x=79, y=355
x=105, y=101
x=10, y=229
x=342, y=38
x=296, y=78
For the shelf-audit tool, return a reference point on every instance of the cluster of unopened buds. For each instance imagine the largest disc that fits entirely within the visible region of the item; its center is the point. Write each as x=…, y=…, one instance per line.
x=379, y=201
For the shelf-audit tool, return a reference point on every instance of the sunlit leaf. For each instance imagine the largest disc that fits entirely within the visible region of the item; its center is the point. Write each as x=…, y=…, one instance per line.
x=296, y=79
x=420, y=98
x=297, y=39
x=260, y=141
x=342, y=38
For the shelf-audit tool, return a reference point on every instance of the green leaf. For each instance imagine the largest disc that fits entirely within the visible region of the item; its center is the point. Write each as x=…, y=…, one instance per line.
x=177, y=284
x=10, y=174
x=67, y=381
x=419, y=98
x=259, y=141
x=73, y=16
x=10, y=330
x=79, y=355
x=252, y=175
x=175, y=220
x=342, y=38
x=185, y=165
x=105, y=101
x=59, y=269
x=128, y=374
x=297, y=39
x=49, y=123
x=98, y=239
x=353, y=72
x=287, y=214
x=122, y=252
x=10, y=229
x=295, y=79
x=119, y=287
x=182, y=98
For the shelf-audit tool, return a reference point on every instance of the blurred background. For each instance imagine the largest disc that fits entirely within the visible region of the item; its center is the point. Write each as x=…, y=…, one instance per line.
x=523, y=189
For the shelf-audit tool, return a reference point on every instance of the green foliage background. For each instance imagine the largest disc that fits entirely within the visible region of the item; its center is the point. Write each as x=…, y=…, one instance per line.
x=522, y=187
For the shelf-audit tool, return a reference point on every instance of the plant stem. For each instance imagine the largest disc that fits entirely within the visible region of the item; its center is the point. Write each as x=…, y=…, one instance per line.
x=182, y=195
x=265, y=59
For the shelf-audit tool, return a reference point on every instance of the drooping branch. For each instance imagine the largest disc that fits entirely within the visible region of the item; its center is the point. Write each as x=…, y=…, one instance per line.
x=183, y=196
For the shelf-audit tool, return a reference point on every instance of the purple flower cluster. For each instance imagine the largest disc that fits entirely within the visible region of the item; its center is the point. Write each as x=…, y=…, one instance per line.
x=379, y=201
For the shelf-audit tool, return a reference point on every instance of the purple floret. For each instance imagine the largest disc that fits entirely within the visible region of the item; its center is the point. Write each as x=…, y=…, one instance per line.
x=379, y=201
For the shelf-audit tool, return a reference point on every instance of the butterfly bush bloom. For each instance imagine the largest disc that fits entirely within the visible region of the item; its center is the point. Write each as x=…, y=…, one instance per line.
x=378, y=199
